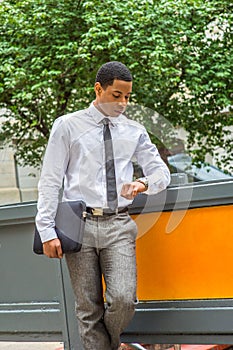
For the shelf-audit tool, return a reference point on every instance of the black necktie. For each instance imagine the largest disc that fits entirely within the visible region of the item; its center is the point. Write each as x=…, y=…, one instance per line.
x=110, y=167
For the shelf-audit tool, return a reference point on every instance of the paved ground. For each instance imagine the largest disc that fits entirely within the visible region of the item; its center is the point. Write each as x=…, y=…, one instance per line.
x=30, y=346
x=59, y=346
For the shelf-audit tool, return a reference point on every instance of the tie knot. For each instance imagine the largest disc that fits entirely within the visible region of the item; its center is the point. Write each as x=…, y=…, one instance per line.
x=105, y=121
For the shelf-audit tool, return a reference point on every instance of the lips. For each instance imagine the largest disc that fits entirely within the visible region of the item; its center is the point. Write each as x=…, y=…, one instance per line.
x=119, y=111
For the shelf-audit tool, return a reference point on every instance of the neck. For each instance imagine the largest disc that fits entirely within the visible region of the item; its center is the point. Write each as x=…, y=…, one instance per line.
x=99, y=108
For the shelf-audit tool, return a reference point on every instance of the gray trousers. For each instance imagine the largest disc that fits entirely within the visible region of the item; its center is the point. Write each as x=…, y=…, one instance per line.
x=108, y=250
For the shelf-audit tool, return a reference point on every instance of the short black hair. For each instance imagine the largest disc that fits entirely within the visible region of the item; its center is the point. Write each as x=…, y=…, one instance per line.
x=110, y=71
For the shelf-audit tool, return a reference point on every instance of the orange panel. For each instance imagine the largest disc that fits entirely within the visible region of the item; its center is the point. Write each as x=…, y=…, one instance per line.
x=185, y=254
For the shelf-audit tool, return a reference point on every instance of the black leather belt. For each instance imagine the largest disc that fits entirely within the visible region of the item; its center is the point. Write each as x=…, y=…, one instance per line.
x=105, y=212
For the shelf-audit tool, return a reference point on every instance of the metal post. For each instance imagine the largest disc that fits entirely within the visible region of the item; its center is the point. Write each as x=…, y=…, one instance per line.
x=70, y=331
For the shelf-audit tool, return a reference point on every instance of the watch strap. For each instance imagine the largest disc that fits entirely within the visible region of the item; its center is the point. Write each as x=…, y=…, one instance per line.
x=144, y=181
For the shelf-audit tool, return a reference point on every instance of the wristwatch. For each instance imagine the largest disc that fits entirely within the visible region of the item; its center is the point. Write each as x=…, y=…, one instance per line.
x=143, y=181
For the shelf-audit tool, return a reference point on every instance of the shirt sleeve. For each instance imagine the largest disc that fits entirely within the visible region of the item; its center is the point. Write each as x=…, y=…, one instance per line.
x=53, y=170
x=153, y=166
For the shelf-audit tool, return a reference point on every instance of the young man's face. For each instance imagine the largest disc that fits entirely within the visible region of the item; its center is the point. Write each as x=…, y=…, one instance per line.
x=113, y=100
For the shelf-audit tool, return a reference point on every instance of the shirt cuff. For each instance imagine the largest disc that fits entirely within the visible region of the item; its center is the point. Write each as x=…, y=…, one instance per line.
x=157, y=182
x=47, y=234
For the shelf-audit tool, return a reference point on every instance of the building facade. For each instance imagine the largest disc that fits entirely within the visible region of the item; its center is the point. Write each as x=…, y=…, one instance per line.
x=17, y=183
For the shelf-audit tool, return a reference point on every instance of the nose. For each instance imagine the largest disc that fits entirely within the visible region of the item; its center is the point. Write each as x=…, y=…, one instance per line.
x=123, y=102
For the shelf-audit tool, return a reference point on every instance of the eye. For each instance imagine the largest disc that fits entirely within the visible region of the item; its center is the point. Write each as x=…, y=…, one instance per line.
x=115, y=96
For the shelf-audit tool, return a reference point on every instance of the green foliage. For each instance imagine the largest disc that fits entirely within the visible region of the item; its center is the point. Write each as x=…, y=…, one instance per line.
x=179, y=51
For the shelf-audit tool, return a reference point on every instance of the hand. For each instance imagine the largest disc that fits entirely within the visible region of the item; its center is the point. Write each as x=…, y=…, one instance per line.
x=129, y=191
x=52, y=248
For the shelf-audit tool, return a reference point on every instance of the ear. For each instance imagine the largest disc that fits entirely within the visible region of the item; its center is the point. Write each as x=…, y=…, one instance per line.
x=98, y=89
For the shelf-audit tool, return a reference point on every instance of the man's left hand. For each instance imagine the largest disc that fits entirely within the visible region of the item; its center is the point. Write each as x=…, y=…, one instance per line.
x=129, y=191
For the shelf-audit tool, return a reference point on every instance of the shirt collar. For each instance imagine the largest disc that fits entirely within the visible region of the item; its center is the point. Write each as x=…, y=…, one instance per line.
x=98, y=116
x=95, y=113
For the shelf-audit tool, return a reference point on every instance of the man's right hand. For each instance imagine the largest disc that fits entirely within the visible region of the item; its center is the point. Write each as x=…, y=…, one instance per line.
x=53, y=249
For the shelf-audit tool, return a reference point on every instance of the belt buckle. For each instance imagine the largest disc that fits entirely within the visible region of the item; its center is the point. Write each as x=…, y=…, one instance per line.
x=98, y=212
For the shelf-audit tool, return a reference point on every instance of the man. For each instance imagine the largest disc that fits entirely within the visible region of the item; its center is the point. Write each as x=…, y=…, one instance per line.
x=76, y=153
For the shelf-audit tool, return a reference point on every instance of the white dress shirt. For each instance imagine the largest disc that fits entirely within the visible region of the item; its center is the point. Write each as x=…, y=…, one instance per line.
x=75, y=155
